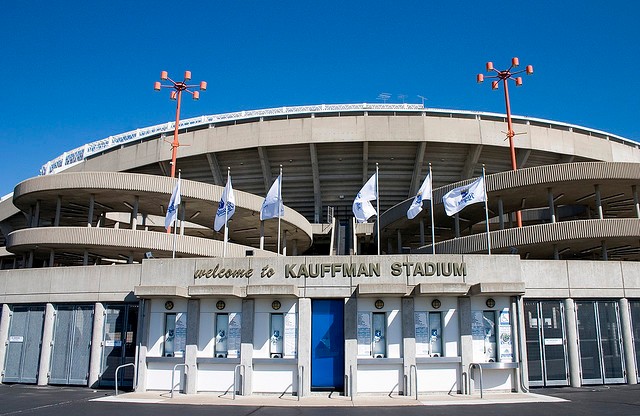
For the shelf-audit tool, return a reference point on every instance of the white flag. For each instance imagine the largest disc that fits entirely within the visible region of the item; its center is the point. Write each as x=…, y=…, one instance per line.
x=458, y=198
x=362, y=208
x=272, y=201
x=424, y=193
x=226, y=208
x=172, y=209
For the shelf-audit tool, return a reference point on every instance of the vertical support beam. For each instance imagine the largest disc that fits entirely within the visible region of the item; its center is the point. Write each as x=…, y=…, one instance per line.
x=92, y=202
x=570, y=319
x=552, y=211
x=52, y=257
x=351, y=345
x=422, y=240
x=399, y=237
x=45, y=348
x=96, y=345
x=556, y=253
x=304, y=345
x=472, y=160
x=516, y=334
x=627, y=339
x=599, y=203
x=134, y=213
x=56, y=220
x=466, y=340
x=523, y=157
x=365, y=161
x=246, y=344
x=284, y=243
x=417, y=169
x=191, y=349
x=36, y=215
x=408, y=343
x=4, y=334
x=144, y=321
x=456, y=219
x=636, y=203
x=266, y=168
x=214, y=166
x=261, y=235
x=317, y=194
x=605, y=254
x=501, y=212
x=522, y=342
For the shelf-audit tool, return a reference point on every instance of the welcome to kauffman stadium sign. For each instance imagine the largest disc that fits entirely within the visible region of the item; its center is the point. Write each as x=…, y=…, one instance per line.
x=336, y=270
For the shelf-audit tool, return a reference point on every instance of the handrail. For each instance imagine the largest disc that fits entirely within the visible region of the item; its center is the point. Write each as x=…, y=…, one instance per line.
x=300, y=381
x=235, y=380
x=173, y=373
x=117, y=369
x=411, y=380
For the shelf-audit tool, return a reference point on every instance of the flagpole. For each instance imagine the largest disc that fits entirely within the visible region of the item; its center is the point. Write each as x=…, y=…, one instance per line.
x=433, y=231
x=175, y=228
x=377, y=209
x=279, y=202
x=226, y=213
x=486, y=209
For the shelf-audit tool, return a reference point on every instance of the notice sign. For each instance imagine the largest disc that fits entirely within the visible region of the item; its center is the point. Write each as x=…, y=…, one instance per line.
x=233, y=337
x=422, y=333
x=364, y=334
x=290, y=338
x=180, y=340
x=504, y=336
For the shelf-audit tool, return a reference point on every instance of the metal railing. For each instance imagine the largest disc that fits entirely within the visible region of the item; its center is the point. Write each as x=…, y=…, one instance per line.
x=118, y=369
x=414, y=380
x=235, y=379
x=173, y=374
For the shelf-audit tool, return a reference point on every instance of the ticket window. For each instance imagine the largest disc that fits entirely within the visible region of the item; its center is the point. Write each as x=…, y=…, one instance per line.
x=276, y=331
x=489, y=322
x=169, y=334
x=435, y=334
x=222, y=335
x=379, y=341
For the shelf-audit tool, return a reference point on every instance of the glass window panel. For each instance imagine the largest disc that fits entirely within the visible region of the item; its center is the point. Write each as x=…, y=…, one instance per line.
x=587, y=333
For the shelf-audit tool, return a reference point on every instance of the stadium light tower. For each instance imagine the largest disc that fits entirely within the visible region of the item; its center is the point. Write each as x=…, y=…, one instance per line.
x=176, y=94
x=504, y=76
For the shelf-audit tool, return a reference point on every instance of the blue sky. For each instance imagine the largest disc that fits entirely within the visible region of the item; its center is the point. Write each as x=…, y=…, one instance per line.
x=77, y=71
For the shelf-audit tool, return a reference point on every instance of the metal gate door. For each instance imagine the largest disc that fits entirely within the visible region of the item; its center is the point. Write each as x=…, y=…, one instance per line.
x=25, y=338
x=546, y=343
x=119, y=344
x=327, y=344
x=634, y=307
x=71, y=345
x=601, y=351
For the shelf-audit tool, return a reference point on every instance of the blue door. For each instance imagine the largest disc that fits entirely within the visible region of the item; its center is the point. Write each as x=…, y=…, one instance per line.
x=327, y=344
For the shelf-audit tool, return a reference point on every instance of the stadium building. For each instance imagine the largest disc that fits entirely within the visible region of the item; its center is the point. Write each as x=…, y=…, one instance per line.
x=91, y=281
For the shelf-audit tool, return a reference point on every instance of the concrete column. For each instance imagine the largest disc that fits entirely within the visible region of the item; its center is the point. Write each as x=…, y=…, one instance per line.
x=304, y=345
x=599, y=203
x=519, y=340
x=466, y=342
x=36, y=215
x=457, y=224
x=636, y=203
x=56, y=220
x=134, y=213
x=52, y=257
x=191, y=350
x=501, y=213
x=144, y=321
x=294, y=247
x=351, y=345
x=570, y=320
x=627, y=340
x=261, y=235
x=556, y=253
x=246, y=346
x=4, y=335
x=422, y=240
x=92, y=203
x=96, y=345
x=399, y=237
x=552, y=211
x=85, y=258
x=605, y=255
x=47, y=341
x=408, y=344
x=182, y=212
x=284, y=243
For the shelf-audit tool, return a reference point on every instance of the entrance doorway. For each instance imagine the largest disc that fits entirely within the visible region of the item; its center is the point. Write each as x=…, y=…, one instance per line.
x=546, y=343
x=327, y=344
x=119, y=344
x=601, y=351
x=23, y=349
x=71, y=345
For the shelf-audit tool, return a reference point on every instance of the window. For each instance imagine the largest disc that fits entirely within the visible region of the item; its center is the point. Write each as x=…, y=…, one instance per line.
x=169, y=334
x=379, y=340
x=222, y=335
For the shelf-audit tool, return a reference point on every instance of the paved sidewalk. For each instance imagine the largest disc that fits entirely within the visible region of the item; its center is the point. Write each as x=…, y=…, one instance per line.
x=326, y=400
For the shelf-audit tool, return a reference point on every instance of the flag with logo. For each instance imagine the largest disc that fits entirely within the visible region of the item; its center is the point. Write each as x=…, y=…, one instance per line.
x=272, y=206
x=226, y=208
x=172, y=209
x=362, y=208
x=458, y=198
x=424, y=193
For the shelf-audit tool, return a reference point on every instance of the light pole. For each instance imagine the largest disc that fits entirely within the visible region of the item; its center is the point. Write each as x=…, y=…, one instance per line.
x=176, y=94
x=504, y=76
